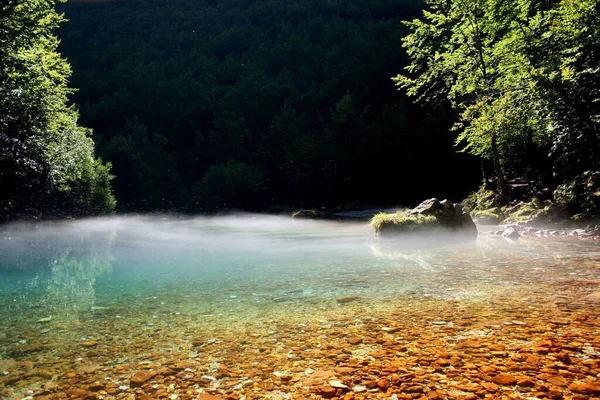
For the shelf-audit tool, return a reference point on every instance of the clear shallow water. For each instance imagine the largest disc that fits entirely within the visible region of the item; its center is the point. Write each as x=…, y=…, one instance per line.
x=145, y=285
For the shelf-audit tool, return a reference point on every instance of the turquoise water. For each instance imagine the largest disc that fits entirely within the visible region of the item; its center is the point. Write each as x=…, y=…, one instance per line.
x=64, y=268
x=65, y=284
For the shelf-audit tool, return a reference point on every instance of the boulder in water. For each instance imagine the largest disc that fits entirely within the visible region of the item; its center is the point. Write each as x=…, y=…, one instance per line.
x=510, y=233
x=308, y=214
x=430, y=215
x=449, y=215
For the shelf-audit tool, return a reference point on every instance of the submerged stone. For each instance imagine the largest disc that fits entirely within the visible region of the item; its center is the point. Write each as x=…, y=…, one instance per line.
x=338, y=384
x=141, y=377
x=593, y=297
x=585, y=388
x=347, y=299
x=359, y=388
x=326, y=391
x=505, y=379
x=204, y=396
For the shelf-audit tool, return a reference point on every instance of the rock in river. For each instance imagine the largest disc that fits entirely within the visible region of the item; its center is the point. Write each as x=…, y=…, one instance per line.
x=431, y=216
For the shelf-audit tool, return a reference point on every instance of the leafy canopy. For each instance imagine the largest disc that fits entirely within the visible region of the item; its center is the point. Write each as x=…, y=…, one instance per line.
x=47, y=162
x=522, y=74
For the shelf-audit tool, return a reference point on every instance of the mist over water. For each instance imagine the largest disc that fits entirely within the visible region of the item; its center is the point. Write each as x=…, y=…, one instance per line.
x=52, y=268
x=68, y=282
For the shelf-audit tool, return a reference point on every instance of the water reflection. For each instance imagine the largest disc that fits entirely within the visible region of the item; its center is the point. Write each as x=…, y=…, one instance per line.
x=62, y=269
x=51, y=270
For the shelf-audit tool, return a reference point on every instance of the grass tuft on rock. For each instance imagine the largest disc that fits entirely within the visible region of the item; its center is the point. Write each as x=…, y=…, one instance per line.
x=402, y=222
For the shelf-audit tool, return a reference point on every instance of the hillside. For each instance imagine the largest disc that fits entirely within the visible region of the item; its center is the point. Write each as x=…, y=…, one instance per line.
x=204, y=105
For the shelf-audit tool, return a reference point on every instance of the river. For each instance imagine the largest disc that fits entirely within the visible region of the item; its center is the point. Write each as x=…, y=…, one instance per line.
x=259, y=306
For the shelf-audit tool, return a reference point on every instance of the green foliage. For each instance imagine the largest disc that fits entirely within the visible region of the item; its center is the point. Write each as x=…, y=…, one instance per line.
x=234, y=185
x=46, y=160
x=481, y=206
x=524, y=75
x=471, y=52
x=92, y=193
x=298, y=90
x=580, y=195
x=524, y=212
x=492, y=216
x=147, y=166
x=567, y=69
x=565, y=193
x=479, y=200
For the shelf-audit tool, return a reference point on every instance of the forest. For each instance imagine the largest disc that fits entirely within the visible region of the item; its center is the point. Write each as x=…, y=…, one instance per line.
x=264, y=105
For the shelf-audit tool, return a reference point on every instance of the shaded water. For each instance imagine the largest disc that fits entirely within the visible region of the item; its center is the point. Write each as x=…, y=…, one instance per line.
x=88, y=304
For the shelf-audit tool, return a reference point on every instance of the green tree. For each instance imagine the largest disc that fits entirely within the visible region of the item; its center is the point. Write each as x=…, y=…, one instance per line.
x=47, y=162
x=564, y=54
x=524, y=76
x=471, y=53
x=144, y=160
x=263, y=82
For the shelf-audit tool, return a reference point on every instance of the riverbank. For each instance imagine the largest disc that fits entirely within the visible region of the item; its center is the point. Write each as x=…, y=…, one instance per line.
x=509, y=231
x=519, y=220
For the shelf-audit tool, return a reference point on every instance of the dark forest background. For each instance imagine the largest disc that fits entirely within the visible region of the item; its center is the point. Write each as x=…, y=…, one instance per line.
x=205, y=105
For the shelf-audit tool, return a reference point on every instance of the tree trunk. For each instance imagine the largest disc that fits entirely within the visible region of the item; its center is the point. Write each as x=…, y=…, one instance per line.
x=496, y=161
x=485, y=174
